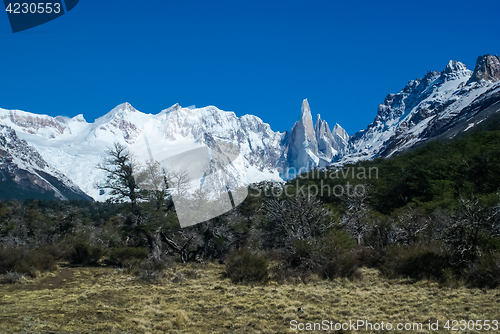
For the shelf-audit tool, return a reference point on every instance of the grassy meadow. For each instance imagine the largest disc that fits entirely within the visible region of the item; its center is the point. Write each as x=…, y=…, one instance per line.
x=196, y=298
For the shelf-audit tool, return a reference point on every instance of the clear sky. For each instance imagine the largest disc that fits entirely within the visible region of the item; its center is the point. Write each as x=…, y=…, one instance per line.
x=251, y=57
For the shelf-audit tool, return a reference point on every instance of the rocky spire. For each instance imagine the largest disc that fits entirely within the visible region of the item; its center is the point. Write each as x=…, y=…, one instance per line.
x=325, y=139
x=340, y=132
x=487, y=69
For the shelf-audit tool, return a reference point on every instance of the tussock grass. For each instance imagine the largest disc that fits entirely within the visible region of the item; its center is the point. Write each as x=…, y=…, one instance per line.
x=106, y=300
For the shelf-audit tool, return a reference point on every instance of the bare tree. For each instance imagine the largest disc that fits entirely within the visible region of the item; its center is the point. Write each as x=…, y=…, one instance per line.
x=297, y=218
x=152, y=180
x=179, y=183
x=119, y=167
x=354, y=221
x=473, y=219
x=408, y=226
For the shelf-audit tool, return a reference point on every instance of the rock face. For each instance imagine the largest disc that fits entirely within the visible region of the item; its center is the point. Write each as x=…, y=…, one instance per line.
x=438, y=105
x=487, y=69
x=25, y=174
x=308, y=146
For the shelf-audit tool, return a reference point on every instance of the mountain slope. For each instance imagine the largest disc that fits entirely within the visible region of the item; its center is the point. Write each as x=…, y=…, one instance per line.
x=25, y=174
x=439, y=104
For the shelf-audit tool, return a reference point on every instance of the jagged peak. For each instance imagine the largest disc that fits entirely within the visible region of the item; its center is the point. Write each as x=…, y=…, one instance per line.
x=454, y=66
x=122, y=108
x=340, y=131
x=318, y=123
x=487, y=69
x=305, y=110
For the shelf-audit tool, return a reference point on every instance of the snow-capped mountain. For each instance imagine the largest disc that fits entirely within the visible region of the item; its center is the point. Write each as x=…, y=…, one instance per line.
x=311, y=145
x=25, y=174
x=441, y=104
x=75, y=147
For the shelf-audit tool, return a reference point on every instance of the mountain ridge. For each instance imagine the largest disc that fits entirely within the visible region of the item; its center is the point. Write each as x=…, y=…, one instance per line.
x=438, y=105
x=69, y=142
x=424, y=108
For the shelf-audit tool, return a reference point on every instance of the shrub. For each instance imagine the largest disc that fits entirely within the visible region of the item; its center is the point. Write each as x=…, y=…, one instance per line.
x=416, y=261
x=26, y=261
x=485, y=272
x=84, y=254
x=329, y=256
x=149, y=270
x=127, y=256
x=12, y=277
x=244, y=266
x=340, y=265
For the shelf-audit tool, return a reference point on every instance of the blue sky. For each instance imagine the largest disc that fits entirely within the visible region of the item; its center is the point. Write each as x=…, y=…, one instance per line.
x=250, y=57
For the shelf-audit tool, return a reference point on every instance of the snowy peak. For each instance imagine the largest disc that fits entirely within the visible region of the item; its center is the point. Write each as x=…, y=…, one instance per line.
x=302, y=147
x=44, y=125
x=455, y=66
x=487, y=69
x=120, y=111
x=79, y=118
x=10, y=143
x=123, y=121
x=426, y=108
x=325, y=139
x=455, y=70
x=172, y=108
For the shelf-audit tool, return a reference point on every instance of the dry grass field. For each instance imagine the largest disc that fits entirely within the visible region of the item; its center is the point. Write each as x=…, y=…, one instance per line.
x=197, y=299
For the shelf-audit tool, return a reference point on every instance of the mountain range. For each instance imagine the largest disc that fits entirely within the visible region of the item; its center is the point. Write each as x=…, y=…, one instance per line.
x=41, y=154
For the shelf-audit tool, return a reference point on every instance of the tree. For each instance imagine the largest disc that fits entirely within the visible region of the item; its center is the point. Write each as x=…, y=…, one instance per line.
x=474, y=220
x=179, y=181
x=152, y=179
x=354, y=221
x=409, y=224
x=298, y=218
x=119, y=167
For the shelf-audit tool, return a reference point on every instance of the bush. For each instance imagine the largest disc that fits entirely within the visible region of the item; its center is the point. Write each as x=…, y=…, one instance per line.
x=341, y=265
x=150, y=270
x=12, y=278
x=84, y=254
x=26, y=261
x=127, y=256
x=417, y=261
x=244, y=266
x=329, y=256
x=336, y=256
x=485, y=272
